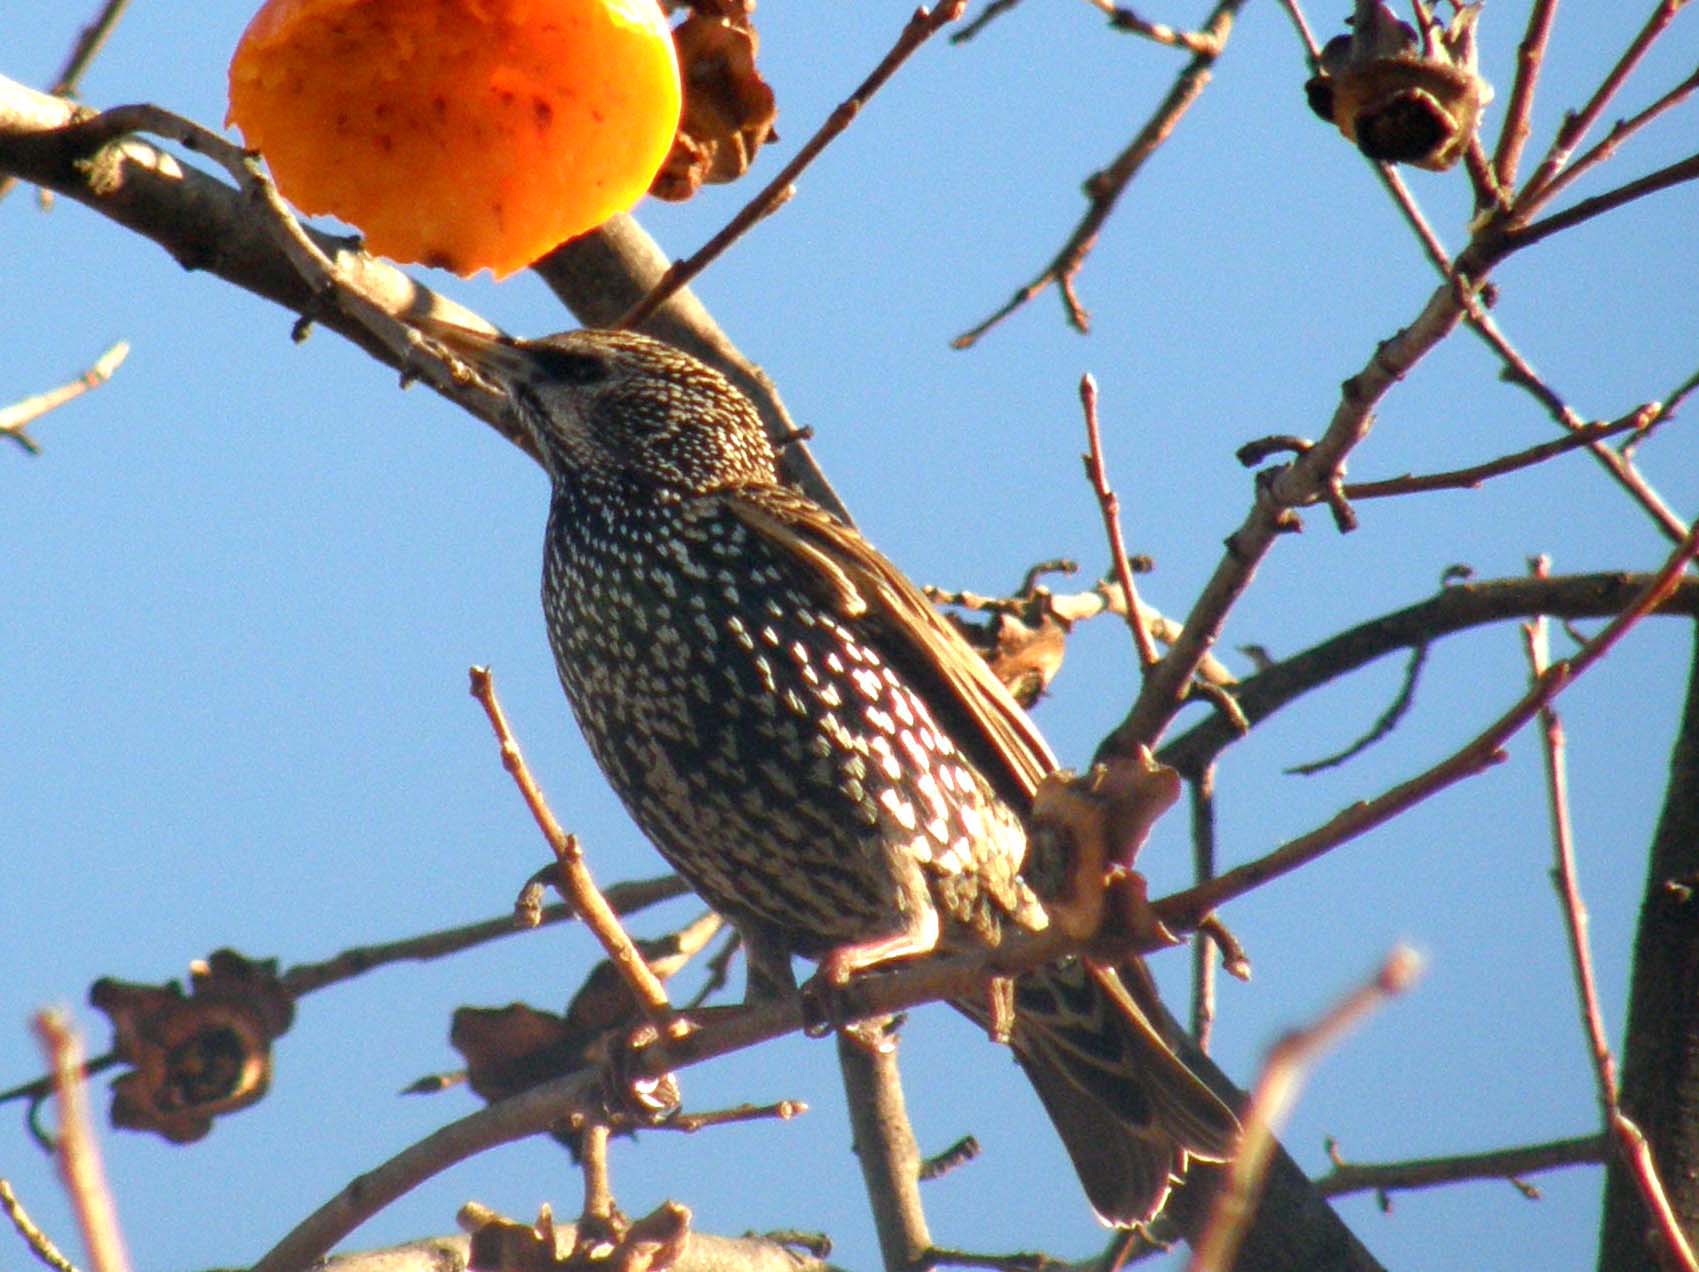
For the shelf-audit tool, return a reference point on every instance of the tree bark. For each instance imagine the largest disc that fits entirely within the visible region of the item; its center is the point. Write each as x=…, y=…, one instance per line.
x=1660, y=1072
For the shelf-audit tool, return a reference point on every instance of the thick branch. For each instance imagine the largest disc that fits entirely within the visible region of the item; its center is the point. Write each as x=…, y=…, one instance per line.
x=1310, y=478
x=1184, y=910
x=1452, y=610
x=1660, y=1071
x=704, y=1252
x=884, y=1143
x=206, y=224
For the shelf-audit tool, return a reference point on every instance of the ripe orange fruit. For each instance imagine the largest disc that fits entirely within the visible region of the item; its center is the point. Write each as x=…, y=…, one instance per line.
x=469, y=134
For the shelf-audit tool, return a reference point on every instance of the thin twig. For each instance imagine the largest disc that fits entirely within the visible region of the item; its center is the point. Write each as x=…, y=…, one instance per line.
x=1020, y=1261
x=78, y=1152
x=719, y=970
x=42, y=1087
x=986, y=16
x=90, y=40
x=1109, y=505
x=1519, y=372
x=1406, y=201
x=39, y=1243
x=1276, y=1092
x=1530, y=58
x=1488, y=193
x=1234, y=960
x=1620, y=132
x=1563, y=872
x=918, y=29
x=1471, y=478
x=15, y=419
x=622, y=898
x=1104, y=189
x=1182, y=910
x=1674, y=398
x=1124, y=19
x=956, y=1155
x=689, y=1123
x=1312, y=50
x=1577, y=124
x=1433, y=1172
x=1384, y=724
x=1672, y=175
x=576, y=882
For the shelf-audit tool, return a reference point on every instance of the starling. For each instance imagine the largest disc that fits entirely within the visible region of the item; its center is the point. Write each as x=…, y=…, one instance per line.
x=802, y=735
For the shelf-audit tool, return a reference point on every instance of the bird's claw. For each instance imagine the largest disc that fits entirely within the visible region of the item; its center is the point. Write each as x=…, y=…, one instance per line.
x=628, y=1091
x=822, y=1003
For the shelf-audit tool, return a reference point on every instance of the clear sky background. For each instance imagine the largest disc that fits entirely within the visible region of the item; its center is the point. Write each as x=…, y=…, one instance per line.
x=243, y=583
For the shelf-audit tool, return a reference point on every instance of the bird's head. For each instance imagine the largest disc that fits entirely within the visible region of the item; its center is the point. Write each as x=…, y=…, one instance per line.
x=622, y=407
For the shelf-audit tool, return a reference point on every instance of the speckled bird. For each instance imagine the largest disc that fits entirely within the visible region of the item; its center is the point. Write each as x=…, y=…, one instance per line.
x=804, y=737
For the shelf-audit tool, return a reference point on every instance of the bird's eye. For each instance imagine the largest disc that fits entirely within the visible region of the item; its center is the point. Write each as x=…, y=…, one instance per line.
x=569, y=366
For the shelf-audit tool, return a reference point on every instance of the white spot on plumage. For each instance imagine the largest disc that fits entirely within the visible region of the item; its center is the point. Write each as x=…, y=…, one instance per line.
x=888, y=761
x=935, y=802
x=955, y=858
x=899, y=808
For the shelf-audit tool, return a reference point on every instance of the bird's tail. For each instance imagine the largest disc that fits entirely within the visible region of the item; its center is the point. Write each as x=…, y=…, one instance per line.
x=1129, y=1111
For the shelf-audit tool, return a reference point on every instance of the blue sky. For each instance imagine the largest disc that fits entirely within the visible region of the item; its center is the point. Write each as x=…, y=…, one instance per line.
x=245, y=579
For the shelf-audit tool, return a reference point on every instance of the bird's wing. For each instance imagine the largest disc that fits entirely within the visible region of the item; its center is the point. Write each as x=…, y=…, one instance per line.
x=855, y=582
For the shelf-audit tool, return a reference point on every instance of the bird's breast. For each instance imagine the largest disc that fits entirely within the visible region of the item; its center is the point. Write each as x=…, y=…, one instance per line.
x=762, y=741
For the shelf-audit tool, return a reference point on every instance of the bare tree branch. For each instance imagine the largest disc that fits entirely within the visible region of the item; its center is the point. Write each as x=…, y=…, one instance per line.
x=918, y=30
x=1104, y=189
x=1435, y=1172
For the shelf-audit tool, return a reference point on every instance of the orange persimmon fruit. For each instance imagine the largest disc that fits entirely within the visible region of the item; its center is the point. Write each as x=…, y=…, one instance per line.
x=469, y=134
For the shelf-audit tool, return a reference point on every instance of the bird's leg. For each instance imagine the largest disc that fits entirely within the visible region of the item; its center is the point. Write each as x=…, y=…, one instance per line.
x=920, y=937
x=822, y=1005
x=767, y=965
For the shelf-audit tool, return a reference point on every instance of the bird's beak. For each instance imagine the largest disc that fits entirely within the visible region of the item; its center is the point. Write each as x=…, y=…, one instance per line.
x=494, y=357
